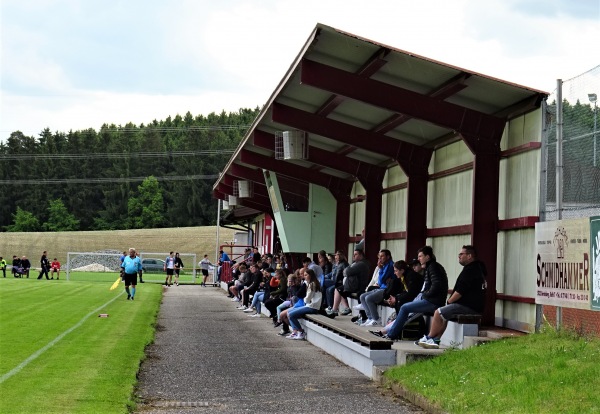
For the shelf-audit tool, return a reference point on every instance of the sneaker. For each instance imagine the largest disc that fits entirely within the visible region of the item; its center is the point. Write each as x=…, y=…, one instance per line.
x=346, y=311
x=328, y=309
x=292, y=335
x=132, y=298
x=283, y=332
x=249, y=310
x=424, y=339
x=367, y=322
x=355, y=318
x=359, y=307
x=331, y=312
x=359, y=321
x=299, y=335
x=128, y=296
x=242, y=307
x=430, y=344
x=373, y=322
x=378, y=333
x=256, y=315
x=277, y=324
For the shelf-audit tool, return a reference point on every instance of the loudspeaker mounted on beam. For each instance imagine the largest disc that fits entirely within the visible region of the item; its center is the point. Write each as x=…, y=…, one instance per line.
x=291, y=145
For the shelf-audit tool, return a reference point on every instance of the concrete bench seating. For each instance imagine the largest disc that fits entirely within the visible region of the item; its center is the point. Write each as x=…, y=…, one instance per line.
x=458, y=328
x=349, y=343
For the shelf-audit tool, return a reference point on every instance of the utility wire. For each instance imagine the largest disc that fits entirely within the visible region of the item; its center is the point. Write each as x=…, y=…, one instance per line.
x=105, y=180
x=122, y=155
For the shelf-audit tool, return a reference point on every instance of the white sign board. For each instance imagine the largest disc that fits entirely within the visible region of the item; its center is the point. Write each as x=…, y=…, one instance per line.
x=563, y=263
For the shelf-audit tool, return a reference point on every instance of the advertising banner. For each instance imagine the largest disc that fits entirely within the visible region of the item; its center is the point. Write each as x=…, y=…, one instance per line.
x=595, y=252
x=563, y=263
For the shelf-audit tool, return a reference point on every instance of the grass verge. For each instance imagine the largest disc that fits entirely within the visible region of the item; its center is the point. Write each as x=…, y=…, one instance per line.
x=540, y=373
x=58, y=356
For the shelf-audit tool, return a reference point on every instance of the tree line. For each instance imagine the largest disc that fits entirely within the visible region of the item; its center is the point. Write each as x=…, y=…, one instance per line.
x=120, y=177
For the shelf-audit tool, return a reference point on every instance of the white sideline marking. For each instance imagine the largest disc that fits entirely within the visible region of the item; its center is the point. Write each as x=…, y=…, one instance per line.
x=54, y=341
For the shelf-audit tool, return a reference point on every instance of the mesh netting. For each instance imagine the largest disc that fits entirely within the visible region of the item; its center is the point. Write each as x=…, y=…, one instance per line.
x=581, y=149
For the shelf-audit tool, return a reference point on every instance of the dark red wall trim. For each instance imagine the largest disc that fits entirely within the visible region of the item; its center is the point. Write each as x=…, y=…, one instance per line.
x=396, y=187
x=396, y=235
x=518, y=223
x=449, y=231
x=450, y=171
x=530, y=146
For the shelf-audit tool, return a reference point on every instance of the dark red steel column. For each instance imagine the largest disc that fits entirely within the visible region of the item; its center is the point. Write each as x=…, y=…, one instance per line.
x=373, y=221
x=416, y=212
x=486, y=179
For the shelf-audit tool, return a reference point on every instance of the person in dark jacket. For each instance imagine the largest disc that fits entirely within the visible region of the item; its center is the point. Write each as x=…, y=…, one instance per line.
x=26, y=265
x=433, y=295
x=44, y=265
x=257, y=278
x=277, y=296
x=467, y=297
x=411, y=281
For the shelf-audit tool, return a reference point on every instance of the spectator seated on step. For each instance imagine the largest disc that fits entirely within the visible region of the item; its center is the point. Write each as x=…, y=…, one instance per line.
x=241, y=279
x=312, y=304
x=467, y=297
x=269, y=282
x=277, y=295
x=256, y=278
x=340, y=263
x=371, y=299
x=297, y=291
x=432, y=296
x=355, y=280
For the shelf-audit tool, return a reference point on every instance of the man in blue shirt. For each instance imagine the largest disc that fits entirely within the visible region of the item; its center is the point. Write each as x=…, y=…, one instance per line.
x=223, y=258
x=131, y=266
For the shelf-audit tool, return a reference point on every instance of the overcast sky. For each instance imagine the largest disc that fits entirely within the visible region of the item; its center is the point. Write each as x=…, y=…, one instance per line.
x=76, y=64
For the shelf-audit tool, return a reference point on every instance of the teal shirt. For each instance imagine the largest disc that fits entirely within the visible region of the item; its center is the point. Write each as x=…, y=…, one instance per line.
x=131, y=265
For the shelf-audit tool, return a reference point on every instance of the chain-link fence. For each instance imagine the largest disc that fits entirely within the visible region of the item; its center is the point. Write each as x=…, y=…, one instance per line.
x=580, y=149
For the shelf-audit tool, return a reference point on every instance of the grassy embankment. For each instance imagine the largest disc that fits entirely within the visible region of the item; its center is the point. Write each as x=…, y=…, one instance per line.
x=538, y=373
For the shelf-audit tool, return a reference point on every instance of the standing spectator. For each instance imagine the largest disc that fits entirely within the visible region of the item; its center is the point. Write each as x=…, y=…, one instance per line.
x=55, y=268
x=468, y=296
x=16, y=267
x=3, y=266
x=178, y=265
x=45, y=265
x=26, y=265
x=140, y=271
x=204, y=266
x=433, y=295
x=169, y=268
x=223, y=258
x=131, y=265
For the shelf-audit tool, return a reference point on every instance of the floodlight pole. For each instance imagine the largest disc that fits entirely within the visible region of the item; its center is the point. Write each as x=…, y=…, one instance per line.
x=594, y=99
x=559, y=170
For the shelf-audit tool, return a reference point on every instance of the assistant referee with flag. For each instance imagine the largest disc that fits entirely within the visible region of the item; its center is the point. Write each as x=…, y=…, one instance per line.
x=131, y=266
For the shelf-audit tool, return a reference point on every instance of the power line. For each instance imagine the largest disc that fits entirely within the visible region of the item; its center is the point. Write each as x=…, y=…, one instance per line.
x=122, y=155
x=47, y=181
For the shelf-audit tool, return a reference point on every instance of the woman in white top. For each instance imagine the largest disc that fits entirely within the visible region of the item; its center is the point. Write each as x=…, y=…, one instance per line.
x=312, y=304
